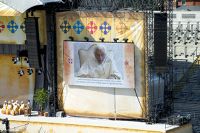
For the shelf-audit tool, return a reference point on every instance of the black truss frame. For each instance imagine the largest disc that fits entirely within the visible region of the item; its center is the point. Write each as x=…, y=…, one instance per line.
x=146, y=6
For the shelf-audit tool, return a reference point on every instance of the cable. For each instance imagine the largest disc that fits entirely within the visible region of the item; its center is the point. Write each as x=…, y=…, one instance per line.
x=115, y=113
x=139, y=101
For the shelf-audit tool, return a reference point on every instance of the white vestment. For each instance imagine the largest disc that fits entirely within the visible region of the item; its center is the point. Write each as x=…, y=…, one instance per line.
x=92, y=69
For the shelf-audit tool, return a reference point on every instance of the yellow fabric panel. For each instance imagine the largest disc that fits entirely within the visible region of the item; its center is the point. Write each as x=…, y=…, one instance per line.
x=123, y=25
x=13, y=86
x=106, y=102
x=13, y=33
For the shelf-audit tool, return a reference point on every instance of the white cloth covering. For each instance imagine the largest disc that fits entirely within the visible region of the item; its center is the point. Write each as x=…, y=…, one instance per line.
x=23, y=5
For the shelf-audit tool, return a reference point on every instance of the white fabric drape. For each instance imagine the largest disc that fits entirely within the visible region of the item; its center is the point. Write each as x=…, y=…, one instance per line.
x=7, y=11
x=22, y=5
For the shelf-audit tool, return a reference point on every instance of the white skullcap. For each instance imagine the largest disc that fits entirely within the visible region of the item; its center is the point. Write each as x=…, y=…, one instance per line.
x=100, y=47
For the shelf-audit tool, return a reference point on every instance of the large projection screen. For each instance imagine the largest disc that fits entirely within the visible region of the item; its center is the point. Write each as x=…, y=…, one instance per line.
x=82, y=68
x=101, y=97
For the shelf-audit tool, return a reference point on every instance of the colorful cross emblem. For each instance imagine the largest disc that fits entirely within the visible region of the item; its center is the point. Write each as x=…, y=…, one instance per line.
x=2, y=26
x=78, y=27
x=121, y=28
x=12, y=26
x=105, y=28
x=65, y=26
x=91, y=27
x=22, y=27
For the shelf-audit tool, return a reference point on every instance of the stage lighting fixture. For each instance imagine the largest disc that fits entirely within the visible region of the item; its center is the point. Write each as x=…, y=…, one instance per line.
x=185, y=42
x=29, y=71
x=179, y=38
x=71, y=38
x=125, y=40
x=86, y=39
x=39, y=71
x=21, y=72
x=102, y=39
x=192, y=54
x=26, y=59
x=15, y=59
x=181, y=54
x=116, y=39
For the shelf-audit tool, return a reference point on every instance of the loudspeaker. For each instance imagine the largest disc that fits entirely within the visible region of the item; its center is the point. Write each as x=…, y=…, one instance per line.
x=33, y=42
x=160, y=39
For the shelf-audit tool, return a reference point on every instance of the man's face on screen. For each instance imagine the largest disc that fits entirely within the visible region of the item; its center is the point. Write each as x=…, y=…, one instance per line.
x=99, y=55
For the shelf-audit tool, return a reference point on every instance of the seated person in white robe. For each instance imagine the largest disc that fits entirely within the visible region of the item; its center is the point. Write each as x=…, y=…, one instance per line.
x=99, y=66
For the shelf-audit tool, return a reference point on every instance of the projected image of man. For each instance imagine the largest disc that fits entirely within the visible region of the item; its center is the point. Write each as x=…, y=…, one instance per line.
x=99, y=66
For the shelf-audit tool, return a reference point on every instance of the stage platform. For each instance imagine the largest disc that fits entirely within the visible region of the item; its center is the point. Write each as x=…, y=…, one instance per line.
x=35, y=124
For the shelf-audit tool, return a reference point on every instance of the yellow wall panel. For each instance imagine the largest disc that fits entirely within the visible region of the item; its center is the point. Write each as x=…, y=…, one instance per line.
x=13, y=86
x=102, y=101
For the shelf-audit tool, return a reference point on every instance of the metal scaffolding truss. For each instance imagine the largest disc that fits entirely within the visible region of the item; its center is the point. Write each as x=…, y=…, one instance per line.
x=146, y=6
x=110, y=5
x=168, y=90
x=149, y=63
x=51, y=68
x=154, y=112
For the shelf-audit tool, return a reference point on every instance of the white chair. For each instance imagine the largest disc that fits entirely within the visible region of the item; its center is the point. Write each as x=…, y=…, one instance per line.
x=86, y=54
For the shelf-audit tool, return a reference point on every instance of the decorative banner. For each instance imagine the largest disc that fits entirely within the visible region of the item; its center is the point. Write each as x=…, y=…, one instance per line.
x=82, y=99
x=105, y=28
x=78, y=27
x=2, y=26
x=96, y=25
x=22, y=27
x=99, y=64
x=91, y=27
x=12, y=28
x=65, y=26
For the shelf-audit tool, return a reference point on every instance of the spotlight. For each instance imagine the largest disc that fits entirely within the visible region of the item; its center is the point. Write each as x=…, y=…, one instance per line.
x=102, y=39
x=26, y=59
x=71, y=38
x=39, y=71
x=15, y=60
x=116, y=39
x=29, y=71
x=125, y=40
x=86, y=39
x=179, y=38
x=21, y=72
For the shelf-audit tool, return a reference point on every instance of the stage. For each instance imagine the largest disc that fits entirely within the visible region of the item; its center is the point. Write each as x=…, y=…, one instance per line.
x=35, y=123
